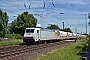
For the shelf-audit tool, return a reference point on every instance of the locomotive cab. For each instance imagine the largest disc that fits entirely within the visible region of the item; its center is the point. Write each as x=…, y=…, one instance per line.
x=31, y=35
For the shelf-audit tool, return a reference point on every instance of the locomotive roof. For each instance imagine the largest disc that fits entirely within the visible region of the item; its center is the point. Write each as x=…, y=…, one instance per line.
x=42, y=29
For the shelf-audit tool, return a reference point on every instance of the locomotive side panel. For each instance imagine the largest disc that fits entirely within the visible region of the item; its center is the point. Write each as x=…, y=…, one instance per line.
x=47, y=35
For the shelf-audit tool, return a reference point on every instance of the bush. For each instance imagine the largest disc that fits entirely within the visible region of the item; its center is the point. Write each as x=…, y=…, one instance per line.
x=11, y=42
x=14, y=36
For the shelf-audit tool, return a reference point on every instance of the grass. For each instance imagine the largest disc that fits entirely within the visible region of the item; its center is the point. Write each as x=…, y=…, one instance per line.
x=11, y=42
x=66, y=53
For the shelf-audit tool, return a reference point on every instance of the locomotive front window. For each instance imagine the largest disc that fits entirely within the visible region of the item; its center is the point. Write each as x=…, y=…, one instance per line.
x=29, y=30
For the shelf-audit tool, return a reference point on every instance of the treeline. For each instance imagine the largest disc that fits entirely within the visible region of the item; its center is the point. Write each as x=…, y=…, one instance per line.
x=3, y=23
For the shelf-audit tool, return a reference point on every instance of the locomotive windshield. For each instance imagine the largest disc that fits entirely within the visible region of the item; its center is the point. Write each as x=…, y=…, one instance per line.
x=29, y=30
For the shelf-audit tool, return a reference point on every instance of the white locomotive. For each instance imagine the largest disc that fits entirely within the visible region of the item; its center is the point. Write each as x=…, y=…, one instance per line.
x=37, y=34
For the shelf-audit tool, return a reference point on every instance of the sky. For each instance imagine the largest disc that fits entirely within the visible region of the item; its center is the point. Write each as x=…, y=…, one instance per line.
x=75, y=12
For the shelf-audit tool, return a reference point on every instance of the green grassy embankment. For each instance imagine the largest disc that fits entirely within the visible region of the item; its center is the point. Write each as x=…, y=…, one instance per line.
x=66, y=53
x=11, y=42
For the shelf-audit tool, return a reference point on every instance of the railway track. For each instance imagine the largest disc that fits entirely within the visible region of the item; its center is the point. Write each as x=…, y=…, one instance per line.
x=9, y=52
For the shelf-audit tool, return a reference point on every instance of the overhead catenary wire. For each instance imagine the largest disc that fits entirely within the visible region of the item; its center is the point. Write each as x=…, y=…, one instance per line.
x=15, y=6
x=8, y=3
x=25, y=5
x=46, y=18
x=14, y=13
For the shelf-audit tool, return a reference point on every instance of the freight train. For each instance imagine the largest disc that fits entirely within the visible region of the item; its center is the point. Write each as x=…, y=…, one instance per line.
x=37, y=35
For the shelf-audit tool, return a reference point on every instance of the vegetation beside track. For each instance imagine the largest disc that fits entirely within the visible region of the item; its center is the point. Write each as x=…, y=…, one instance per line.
x=88, y=43
x=12, y=39
x=11, y=42
x=66, y=53
x=13, y=36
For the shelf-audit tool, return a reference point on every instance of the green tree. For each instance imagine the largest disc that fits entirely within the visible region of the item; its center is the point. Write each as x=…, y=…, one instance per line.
x=3, y=23
x=89, y=23
x=53, y=27
x=89, y=18
x=23, y=21
x=67, y=30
